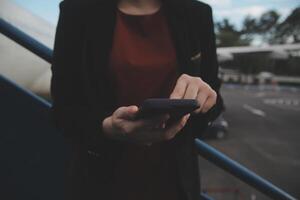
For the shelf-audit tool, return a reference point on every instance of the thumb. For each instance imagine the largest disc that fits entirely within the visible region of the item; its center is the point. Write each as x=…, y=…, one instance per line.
x=127, y=112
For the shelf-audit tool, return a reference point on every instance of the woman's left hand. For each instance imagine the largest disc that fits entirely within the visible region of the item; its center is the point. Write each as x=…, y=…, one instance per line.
x=189, y=87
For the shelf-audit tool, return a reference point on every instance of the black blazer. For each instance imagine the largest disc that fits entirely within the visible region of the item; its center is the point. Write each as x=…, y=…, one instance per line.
x=83, y=96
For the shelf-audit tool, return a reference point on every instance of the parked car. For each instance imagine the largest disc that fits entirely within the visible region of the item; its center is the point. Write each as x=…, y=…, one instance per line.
x=218, y=129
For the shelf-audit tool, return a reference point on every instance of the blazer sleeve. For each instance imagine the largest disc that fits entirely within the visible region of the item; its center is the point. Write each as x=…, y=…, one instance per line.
x=70, y=110
x=208, y=72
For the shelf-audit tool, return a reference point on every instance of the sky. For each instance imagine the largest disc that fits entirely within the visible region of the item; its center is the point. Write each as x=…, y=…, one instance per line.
x=235, y=10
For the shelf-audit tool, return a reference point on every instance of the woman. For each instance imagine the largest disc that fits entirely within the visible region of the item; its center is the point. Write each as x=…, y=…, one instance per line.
x=108, y=57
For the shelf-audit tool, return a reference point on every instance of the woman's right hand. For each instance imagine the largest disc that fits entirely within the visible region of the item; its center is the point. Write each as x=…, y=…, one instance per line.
x=122, y=125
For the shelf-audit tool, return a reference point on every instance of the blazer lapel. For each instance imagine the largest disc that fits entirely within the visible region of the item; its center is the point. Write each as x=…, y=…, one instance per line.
x=177, y=20
x=100, y=29
x=185, y=35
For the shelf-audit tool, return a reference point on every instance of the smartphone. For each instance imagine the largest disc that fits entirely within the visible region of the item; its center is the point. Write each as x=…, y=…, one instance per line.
x=176, y=108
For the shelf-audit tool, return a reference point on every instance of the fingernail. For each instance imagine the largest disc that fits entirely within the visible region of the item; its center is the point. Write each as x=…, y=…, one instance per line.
x=134, y=108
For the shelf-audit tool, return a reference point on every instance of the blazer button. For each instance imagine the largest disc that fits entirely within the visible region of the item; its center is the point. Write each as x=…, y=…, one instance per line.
x=92, y=153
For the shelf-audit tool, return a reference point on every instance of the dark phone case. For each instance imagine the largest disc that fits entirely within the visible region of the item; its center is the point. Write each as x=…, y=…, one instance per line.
x=176, y=108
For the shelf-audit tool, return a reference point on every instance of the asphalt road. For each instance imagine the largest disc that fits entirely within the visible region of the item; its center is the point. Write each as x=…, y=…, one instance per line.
x=264, y=135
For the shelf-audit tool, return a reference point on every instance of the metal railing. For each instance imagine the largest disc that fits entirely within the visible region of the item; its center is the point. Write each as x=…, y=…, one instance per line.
x=204, y=150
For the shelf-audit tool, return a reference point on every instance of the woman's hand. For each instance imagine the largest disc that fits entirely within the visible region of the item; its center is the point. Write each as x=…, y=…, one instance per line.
x=122, y=125
x=189, y=87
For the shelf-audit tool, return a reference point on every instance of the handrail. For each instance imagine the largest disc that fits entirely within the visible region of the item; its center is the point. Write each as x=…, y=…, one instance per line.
x=204, y=196
x=25, y=40
x=204, y=149
x=239, y=171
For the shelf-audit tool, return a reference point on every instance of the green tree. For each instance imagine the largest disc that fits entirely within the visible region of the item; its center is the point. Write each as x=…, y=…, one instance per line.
x=250, y=25
x=289, y=29
x=268, y=22
x=267, y=27
x=228, y=35
x=249, y=28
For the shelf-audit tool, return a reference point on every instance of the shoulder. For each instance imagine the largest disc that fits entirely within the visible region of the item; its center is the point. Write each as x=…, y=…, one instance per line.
x=82, y=6
x=201, y=13
x=82, y=3
x=82, y=10
x=200, y=7
x=72, y=9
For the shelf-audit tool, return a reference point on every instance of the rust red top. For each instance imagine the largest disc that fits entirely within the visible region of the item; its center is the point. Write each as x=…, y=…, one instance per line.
x=143, y=65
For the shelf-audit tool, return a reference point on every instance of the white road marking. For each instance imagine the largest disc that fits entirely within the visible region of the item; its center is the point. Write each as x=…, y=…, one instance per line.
x=280, y=101
x=288, y=102
x=260, y=94
x=280, y=159
x=254, y=110
x=291, y=104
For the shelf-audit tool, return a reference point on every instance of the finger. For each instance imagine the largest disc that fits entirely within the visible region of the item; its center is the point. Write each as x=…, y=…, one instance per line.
x=127, y=113
x=210, y=102
x=175, y=128
x=191, y=91
x=162, y=118
x=179, y=89
x=201, y=98
x=160, y=123
x=154, y=122
x=144, y=124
